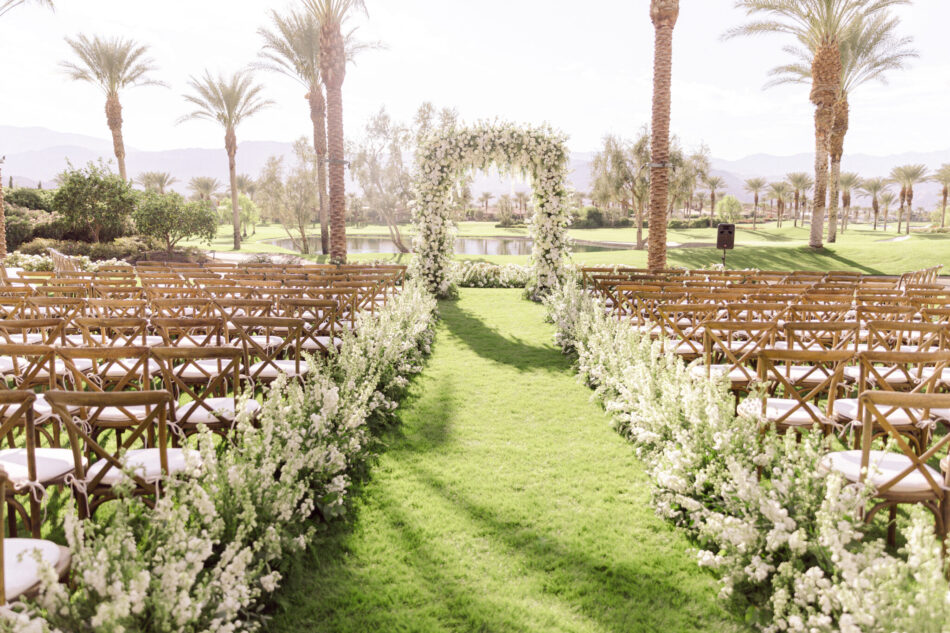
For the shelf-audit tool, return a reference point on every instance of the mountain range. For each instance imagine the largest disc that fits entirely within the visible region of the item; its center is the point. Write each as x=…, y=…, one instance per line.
x=37, y=155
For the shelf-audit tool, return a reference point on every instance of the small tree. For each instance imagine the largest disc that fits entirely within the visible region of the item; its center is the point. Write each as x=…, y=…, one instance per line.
x=169, y=219
x=94, y=200
x=248, y=213
x=729, y=209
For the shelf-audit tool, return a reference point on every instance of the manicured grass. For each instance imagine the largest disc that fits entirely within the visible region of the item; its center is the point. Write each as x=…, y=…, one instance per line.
x=859, y=248
x=504, y=502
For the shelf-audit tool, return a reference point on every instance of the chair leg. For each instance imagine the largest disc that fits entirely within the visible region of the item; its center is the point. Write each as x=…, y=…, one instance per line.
x=892, y=526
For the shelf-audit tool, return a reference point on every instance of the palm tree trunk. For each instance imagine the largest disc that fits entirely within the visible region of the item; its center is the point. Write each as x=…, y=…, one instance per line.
x=114, y=119
x=826, y=81
x=839, y=128
x=833, y=199
x=318, y=115
x=3, y=221
x=755, y=209
x=663, y=13
x=230, y=144
x=943, y=213
x=900, y=213
x=876, y=208
x=337, y=176
x=910, y=206
x=712, y=207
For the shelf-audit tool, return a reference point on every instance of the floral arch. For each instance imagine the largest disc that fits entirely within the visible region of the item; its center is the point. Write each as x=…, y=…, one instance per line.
x=442, y=160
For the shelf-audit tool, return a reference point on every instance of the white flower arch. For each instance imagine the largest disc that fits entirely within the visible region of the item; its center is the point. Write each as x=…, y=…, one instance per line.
x=444, y=157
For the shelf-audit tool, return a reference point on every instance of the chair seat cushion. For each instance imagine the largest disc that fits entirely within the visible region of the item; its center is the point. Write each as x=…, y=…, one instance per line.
x=144, y=462
x=884, y=467
x=21, y=571
x=271, y=369
x=120, y=368
x=853, y=373
x=734, y=374
x=193, y=413
x=803, y=374
x=263, y=340
x=846, y=410
x=115, y=414
x=202, y=369
x=797, y=413
x=51, y=464
x=321, y=343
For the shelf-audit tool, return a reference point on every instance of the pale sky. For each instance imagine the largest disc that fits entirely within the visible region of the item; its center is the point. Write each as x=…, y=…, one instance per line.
x=585, y=67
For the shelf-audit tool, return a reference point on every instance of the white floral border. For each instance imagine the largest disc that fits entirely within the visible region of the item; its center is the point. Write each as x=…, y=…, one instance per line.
x=445, y=156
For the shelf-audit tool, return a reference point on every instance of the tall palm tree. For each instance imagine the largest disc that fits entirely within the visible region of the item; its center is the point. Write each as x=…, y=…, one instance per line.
x=755, y=187
x=780, y=192
x=887, y=198
x=663, y=13
x=521, y=197
x=821, y=26
x=229, y=101
x=869, y=49
x=331, y=15
x=112, y=65
x=907, y=176
x=942, y=178
x=156, y=180
x=713, y=184
x=246, y=185
x=293, y=49
x=484, y=199
x=800, y=183
x=9, y=5
x=873, y=188
x=848, y=182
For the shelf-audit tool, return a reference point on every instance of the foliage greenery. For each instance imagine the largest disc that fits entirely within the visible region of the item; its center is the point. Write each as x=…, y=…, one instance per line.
x=94, y=200
x=169, y=219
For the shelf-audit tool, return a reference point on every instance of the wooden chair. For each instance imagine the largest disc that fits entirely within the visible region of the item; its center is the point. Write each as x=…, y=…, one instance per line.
x=730, y=348
x=900, y=477
x=140, y=414
x=19, y=569
x=266, y=362
x=191, y=332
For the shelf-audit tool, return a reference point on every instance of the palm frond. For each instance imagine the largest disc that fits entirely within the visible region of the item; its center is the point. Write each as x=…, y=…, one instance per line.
x=111, y=64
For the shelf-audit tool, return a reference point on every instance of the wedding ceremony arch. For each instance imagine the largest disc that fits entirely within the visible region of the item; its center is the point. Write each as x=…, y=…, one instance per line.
x=444, y=158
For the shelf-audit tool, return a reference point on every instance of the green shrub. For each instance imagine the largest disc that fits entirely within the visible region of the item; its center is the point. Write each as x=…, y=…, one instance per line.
x=729, y=209
x=28, y=198
x=94, y=202
x=125, y=248
x=169, y=219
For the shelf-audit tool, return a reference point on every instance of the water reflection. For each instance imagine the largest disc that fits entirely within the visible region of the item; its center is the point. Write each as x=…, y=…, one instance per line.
x=463, y=245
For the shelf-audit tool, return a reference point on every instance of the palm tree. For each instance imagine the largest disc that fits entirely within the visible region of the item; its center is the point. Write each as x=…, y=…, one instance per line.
x=521, y=197
x=869, y=49
x=907, y=176
x=873, y=188
x=204, y=188
x=229, y=101
x=887, y=199
x=780, y=192
x=801, y=183
x=156, y=180
x=293, y=49
x=484, y=199
x=941, y=177
x=701, y=199
x=246, y=185
x=755, y=187
x=330, y=15
x=714, y=184
x=848, y=181
x=663, y=13
x=9, y=5
x=112, y=65
x=821, y=26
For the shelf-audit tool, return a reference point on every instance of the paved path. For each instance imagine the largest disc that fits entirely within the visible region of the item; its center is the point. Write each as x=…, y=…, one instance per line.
x=505, y=502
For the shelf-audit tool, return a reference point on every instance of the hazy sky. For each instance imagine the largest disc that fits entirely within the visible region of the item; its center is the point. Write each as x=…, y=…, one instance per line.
x=584, y=67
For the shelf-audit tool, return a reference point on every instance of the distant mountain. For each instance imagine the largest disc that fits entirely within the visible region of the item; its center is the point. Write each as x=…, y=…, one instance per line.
x=38, y=154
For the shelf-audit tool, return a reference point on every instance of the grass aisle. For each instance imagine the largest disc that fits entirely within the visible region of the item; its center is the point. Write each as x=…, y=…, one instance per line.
x=505, y=503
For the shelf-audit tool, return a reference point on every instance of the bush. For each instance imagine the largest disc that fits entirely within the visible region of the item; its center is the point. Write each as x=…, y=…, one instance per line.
x=169, y=219
x=729, y=209
x=35, y=199
x=94, y=202
x=469, y=274
x=125, y=248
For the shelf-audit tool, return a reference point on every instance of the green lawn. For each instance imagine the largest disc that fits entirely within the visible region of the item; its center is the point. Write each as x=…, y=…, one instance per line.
x=504, y=502
x=860, y=249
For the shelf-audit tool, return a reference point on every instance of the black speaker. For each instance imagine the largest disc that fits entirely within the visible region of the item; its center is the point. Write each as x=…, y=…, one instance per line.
x=726, y=240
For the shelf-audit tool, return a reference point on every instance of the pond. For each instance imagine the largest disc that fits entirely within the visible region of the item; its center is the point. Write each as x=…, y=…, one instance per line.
x=463, y=245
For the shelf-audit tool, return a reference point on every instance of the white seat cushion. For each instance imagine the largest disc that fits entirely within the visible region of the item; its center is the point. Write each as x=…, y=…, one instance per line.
x=309, y=344
x=118, y=369
x=51, y=464
x=192, y=413
x=776, y=408
x=265, y=341
x=20, y=568
x=735, y=374
x=846, y=409
x=145, y=462
x=269, y=371
x=893, y=377
x=884, y=467
x=202, y=369
x=115, y=414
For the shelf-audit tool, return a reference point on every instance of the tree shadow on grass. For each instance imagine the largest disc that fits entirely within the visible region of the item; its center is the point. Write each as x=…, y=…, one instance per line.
x=594, y=586
x=767, y=258
x=492, y=345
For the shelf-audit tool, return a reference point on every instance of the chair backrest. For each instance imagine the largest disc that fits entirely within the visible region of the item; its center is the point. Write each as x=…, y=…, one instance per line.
x=736, y=343
x=907, y=336
x=113, y=331
x=99, y=369
x=821, y=335
x=191, y=332
x=200, y=374
x=877, y=407
x=287, y=329
x=803, y=377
